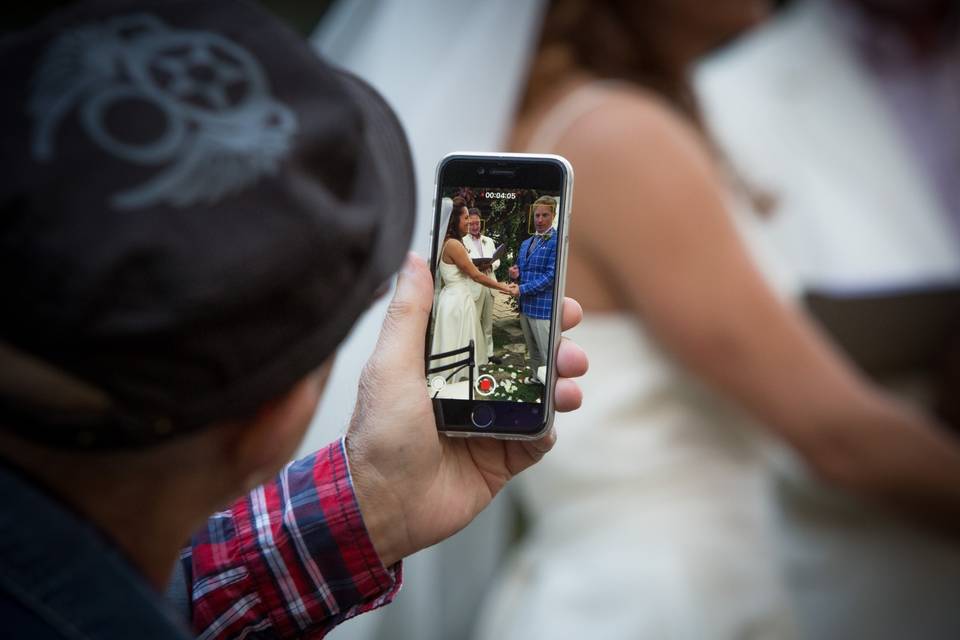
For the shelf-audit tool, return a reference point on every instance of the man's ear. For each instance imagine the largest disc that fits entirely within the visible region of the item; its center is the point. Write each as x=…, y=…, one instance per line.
x=268, y=441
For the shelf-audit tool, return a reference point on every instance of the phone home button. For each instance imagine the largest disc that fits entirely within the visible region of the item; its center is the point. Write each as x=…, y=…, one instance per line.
x=483, y=416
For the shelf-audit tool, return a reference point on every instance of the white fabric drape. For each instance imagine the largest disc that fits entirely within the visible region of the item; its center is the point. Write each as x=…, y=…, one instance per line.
x=453, y=70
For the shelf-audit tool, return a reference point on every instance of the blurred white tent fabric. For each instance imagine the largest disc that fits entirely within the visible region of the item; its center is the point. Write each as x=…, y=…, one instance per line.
x=453, y=71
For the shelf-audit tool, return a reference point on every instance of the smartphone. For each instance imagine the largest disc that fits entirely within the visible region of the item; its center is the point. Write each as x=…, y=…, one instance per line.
x=499, y=253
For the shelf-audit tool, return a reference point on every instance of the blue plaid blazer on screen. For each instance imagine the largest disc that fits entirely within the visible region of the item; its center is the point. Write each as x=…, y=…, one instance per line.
x=537, y=271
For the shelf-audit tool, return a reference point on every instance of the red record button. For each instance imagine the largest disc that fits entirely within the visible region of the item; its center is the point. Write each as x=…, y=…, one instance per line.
x=485, y=384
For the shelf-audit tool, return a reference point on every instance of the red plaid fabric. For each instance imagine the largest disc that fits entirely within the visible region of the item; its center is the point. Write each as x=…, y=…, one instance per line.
x=290, y=560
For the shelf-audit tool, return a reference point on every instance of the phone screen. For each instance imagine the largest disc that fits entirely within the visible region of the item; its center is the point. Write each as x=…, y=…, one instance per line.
x=497, y=271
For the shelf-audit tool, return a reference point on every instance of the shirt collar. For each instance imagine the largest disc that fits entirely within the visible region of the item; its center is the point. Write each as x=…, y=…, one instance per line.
x=70, y=570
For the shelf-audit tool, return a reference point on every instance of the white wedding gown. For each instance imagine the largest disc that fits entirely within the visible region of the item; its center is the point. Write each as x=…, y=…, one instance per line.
x=457, y=320
x=649, y=517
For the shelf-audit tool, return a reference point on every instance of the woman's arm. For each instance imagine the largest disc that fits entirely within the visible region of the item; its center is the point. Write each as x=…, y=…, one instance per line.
x=455, y=250
x=670, y=248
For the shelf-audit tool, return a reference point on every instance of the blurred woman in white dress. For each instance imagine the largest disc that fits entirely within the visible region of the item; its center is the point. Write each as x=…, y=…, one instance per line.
x=456, y=320
x=649, y=517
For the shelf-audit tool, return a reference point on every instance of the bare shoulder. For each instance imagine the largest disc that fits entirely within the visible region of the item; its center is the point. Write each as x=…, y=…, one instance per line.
x=453, y=248
x=631, y=148
x=628, y=105
x=632, y=129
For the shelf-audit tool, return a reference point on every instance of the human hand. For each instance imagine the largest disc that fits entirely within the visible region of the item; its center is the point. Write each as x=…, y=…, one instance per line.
x=414, y=485
x=514, y=290
x=514, y=272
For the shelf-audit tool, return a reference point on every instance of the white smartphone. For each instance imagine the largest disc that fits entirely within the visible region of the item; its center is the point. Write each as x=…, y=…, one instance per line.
x=500, y=235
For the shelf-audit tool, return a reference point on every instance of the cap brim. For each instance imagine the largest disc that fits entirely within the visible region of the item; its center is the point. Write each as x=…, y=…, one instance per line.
x=390, y=152
x=392, y=187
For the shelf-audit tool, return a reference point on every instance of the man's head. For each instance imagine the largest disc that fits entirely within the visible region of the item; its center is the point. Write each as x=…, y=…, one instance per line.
x=473, y=222
x=193, y=207
x=544, y=209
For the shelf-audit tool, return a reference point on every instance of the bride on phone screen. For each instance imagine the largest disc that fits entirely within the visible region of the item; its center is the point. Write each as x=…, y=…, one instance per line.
x=456, y=321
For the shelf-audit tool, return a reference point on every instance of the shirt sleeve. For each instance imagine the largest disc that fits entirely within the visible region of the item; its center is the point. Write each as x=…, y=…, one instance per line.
x=292, y=559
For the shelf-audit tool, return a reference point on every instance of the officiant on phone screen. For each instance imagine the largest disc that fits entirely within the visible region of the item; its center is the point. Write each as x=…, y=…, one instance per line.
x=536, y=269
x=481, y=246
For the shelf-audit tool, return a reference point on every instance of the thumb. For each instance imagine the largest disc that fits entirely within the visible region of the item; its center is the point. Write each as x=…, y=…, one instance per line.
x=404, y=329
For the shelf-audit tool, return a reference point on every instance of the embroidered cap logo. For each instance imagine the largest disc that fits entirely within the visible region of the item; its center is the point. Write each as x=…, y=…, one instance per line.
x=221, y=128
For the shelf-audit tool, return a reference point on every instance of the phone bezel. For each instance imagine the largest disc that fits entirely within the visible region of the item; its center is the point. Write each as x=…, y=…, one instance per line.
x=514, y=420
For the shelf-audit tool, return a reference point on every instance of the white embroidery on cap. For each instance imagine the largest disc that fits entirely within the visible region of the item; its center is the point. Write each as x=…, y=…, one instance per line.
x=221, y=128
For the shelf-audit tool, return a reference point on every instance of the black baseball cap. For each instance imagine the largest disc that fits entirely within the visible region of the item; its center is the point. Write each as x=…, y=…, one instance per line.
x=194, y=210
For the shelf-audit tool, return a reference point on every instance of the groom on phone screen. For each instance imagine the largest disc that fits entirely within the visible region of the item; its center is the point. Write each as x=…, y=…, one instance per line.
x=536, y=270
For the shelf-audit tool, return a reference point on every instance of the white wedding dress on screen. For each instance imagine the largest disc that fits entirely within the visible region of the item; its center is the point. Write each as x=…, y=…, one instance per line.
x=457, y=320
x=648, y=518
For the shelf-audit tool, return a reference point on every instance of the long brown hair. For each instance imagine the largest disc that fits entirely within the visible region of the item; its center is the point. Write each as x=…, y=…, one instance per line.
x=453, y=227
x=622, y=40
x=613, y=39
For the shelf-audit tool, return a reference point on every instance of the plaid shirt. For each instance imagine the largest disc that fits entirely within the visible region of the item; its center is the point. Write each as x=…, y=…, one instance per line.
x=290, y=560
x=537, y=272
